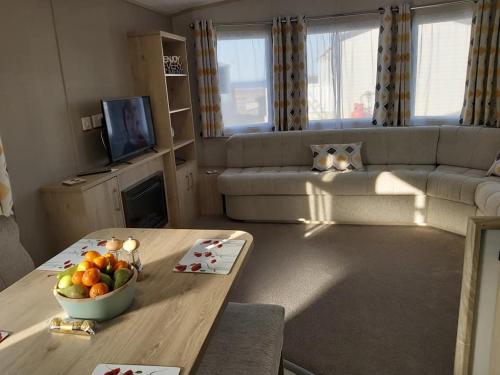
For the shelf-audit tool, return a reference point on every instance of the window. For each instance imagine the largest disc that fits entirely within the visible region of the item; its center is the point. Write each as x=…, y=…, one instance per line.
x=245, y=62
x=341, y=72
x=440, y=48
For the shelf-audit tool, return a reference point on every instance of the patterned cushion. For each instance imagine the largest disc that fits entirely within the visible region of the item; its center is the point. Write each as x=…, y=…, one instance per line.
x=322, y=157
x=341, y=157
x=347, y=157
x=495, y=167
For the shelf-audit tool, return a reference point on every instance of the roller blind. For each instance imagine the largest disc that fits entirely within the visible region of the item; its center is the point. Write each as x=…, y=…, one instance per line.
x=244, y=61
x=440, y=48
x=342, y=70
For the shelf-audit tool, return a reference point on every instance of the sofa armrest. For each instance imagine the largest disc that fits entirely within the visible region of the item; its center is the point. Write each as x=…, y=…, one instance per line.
x=488, y=198
x=16, y=261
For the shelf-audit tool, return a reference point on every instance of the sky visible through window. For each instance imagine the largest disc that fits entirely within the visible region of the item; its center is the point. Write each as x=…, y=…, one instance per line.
x=244, y=65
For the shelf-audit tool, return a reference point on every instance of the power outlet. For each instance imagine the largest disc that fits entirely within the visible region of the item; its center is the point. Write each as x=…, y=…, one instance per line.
x=97, y=120
x=86, y=123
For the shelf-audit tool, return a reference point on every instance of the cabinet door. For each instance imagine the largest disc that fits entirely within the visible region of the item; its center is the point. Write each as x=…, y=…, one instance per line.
x=187, y=181
x=104, y=205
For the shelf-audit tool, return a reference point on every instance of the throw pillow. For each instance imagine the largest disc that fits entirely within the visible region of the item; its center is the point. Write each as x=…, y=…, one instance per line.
x=322, y=157
x=495, y=167
x=347, y=157
x=342, y=157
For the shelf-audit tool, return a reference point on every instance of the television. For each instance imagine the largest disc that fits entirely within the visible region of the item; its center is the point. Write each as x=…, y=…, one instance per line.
x=128, y=128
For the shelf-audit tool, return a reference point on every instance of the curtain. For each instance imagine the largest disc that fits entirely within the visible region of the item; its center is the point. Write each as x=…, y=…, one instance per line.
x=289, y=74
x=482, y=87
x=208, y=79
x=342, y=68
x=392, y=94
x=440, y=38
x=5, y=190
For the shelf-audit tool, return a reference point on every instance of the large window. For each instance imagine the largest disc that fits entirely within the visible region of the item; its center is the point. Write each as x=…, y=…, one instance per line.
x=341, y=71
x=244, y=59
x=440, y=48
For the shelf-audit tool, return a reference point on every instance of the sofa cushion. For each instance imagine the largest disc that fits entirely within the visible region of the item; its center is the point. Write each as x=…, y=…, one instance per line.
x=468, y=147
x=247, y=340
x=456, y=184
x=488, y=197
x=300, y=180
x=407, y=145
x=322, y=157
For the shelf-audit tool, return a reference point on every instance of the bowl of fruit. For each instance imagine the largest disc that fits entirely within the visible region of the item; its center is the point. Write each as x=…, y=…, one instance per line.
x=98, y=288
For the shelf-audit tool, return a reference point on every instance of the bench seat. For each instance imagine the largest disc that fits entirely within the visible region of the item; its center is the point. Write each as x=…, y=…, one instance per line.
x=247, y=340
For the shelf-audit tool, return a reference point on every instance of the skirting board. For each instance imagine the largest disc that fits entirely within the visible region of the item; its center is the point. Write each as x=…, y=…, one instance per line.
x=297, y=370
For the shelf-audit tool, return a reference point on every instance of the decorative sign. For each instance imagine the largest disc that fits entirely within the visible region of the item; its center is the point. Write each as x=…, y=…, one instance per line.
x=173, y=65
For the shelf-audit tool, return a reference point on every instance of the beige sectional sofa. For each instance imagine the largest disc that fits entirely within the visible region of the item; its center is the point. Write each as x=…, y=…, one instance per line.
x=413, y=175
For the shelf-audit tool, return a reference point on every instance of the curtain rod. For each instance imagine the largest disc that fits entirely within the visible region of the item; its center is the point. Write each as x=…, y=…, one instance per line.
x=338, y=15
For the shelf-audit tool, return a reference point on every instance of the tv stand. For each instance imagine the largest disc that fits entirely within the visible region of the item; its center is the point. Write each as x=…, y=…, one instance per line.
x=74, y=211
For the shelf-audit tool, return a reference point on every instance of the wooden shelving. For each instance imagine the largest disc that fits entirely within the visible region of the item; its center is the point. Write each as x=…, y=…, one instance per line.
x=181, y=143
x=180, y=110
x=171, y=105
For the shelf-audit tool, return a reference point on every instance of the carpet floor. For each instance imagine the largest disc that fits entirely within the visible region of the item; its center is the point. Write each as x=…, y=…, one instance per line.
x=359, y=300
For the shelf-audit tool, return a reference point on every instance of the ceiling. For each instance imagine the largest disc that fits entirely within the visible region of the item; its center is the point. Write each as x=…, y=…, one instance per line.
x=171, y=6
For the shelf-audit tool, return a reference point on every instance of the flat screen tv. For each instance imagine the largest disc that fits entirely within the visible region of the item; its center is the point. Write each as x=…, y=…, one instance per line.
x=128, y=127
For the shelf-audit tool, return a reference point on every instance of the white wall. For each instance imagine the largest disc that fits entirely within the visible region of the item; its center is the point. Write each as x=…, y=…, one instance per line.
x=212, y=152
x=42, y=100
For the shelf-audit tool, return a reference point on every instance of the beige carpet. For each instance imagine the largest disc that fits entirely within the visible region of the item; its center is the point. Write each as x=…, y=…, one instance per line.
x=358, y=299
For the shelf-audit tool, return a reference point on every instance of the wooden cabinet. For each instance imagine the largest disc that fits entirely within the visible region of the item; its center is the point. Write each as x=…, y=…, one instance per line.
x=187, y=187
x=210, y=198
x=74, y=211
x=103, y=206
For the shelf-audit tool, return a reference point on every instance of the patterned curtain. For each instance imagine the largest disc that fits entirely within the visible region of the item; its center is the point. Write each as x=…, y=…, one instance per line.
x=208, y=79
x=289, y=74
x=392, y=95
x=5, y=191
x=482, y=87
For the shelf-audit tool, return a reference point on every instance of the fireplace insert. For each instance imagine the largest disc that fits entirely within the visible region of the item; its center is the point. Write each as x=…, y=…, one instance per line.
x=145, y=204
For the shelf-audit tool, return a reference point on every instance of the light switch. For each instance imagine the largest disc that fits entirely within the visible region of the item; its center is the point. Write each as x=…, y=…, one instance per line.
x=97, y=120
x=86, y=123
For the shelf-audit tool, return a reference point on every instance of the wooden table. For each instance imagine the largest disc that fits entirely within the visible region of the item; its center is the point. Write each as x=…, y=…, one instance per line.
x=167, y=324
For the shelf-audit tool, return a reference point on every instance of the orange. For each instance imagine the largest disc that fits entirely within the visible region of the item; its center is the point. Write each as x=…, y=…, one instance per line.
x=98, y=289
x=121, y=264
x=111, y=259
x=90, y=255
x=101, y=262
x=85, y=265
x=76, y=279
x=91, y=277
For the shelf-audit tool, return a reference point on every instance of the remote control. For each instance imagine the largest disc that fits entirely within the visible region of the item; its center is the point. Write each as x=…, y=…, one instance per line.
x=95, y=171
x=74, y=181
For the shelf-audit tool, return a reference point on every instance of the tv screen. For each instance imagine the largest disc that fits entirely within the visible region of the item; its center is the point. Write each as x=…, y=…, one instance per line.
x=128, y=126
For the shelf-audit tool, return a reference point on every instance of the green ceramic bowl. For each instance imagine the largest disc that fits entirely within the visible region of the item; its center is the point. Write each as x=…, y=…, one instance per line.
x=103, y=307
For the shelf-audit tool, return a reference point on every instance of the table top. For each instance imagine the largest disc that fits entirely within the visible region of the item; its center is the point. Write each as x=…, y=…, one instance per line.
x=171, y=316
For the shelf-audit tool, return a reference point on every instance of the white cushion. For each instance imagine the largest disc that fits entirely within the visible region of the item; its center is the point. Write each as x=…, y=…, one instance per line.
x=487, y=197
x=468, y=146
x=406, y=145
x=455, y=184
x=300, y=180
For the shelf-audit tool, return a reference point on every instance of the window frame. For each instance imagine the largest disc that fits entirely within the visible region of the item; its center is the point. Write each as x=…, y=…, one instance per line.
x=361, y=22
x=444, y=12
x=245, y=32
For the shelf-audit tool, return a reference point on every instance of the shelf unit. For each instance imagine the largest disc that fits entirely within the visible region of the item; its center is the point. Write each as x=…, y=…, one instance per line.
x=172, y=115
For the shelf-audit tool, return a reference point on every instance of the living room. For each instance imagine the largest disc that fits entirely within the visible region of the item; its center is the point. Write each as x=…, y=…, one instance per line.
x=350, y=146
